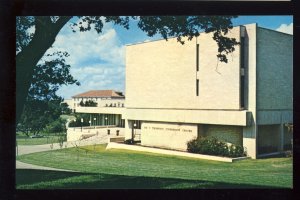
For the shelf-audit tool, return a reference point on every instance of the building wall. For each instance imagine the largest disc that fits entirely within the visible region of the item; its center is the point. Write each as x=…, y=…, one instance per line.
x=268, y=138
x=167, y=135
x=274, y=89
x=228, y=134
x=250, y=131
x=101, y=102
x=170, y=95
x=70, y=103
x=275, y=70
x=162, y=74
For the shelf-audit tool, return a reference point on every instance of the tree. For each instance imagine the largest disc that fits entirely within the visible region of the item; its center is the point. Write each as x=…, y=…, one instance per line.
x=32, y=47
x=65, y=108
x=37, y=115
x=57, y=126
x=89, y=103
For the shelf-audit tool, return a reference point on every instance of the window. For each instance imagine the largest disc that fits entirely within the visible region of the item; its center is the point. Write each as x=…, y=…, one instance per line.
x=197, y=57
x=197, y=87
x=137, y=124
x=242, y=66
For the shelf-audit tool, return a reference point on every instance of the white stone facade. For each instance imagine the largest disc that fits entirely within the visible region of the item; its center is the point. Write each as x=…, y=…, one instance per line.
x=170, y=100
x=229, y=101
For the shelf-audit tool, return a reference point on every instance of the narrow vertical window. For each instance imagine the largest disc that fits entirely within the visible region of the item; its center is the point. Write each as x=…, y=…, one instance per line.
x=197, y=87
x=197, y=57
x=242, y=63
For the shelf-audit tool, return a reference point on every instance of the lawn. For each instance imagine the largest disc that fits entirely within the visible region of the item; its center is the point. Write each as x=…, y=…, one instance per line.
x=100, y=168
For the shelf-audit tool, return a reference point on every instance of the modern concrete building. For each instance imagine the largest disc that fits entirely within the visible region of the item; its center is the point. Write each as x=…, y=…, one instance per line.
x=175, y=93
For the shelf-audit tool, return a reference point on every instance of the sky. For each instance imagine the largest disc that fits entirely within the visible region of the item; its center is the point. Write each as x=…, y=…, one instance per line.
x=98, y=60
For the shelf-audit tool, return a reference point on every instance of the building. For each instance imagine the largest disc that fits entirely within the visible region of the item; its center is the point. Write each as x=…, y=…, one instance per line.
x=175, y=93
x=108, y=110
x=182, y=91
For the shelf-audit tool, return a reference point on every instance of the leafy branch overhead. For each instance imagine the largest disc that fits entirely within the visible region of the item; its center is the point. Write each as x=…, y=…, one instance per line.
x=172, y=26
x=36, y=35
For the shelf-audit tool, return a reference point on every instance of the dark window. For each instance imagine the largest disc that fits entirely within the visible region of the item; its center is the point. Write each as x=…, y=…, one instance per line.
x=197, y=57
x=242, y=60
x=242, y=91
x=137, y=124
x=197, y=87
x=242, y=52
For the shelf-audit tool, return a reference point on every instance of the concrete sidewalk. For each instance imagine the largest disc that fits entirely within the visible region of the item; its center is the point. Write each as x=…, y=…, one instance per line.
x=27, y=149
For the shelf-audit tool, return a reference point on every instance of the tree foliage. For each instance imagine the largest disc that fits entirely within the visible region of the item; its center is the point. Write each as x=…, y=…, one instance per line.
x=49, y=76
x=57, y=126
x=31, y=47
x=65, y=108
x=89, y=103
x=38, y=114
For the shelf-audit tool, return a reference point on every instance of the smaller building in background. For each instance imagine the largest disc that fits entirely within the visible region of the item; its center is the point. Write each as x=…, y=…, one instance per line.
x=107, y=107
x=102, y=98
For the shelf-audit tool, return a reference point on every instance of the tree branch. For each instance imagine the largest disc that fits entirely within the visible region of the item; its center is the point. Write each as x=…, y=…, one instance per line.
x=27, y=59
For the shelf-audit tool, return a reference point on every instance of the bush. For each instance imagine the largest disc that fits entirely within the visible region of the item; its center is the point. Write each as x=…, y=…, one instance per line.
x=129, y=141
x=212, y=146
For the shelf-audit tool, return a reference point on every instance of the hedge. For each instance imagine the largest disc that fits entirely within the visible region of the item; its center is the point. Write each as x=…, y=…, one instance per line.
x=212, y=146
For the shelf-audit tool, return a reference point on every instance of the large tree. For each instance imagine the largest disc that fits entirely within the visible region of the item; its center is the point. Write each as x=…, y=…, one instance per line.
x=32, y=47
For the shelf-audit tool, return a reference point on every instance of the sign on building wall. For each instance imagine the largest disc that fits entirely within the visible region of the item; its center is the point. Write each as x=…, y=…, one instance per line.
x=167, y=135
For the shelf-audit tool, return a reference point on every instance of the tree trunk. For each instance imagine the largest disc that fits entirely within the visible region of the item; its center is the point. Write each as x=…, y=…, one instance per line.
x=27, y=59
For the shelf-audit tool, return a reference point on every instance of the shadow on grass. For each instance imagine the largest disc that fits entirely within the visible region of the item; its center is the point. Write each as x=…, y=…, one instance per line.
x=45, y=179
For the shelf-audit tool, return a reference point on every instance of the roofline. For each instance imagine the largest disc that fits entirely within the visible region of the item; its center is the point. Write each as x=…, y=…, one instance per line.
x=167, y=38
x=276, y=31
x=98, y=96
x=77, y=96
x=203, y=32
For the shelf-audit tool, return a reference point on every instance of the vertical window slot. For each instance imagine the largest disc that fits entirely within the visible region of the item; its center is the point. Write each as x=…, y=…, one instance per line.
x=197, y=57
x=197, y=87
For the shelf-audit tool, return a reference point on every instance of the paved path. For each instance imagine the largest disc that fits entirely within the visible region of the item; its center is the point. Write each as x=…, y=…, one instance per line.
x=27, y=149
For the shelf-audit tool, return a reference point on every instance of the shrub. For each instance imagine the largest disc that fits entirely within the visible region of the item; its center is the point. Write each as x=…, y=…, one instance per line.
x=129, y=141
x=212, y=146
x=192, y=146
x=236, y=151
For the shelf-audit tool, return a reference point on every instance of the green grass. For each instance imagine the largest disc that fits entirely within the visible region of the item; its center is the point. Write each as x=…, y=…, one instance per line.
x=129, y=169
x=24, y=140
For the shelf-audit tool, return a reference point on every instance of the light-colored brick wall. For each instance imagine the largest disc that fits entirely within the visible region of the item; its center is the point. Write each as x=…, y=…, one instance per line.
x=274, y=70
x=162, y=74
x=167, y=135
x=228, y=134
